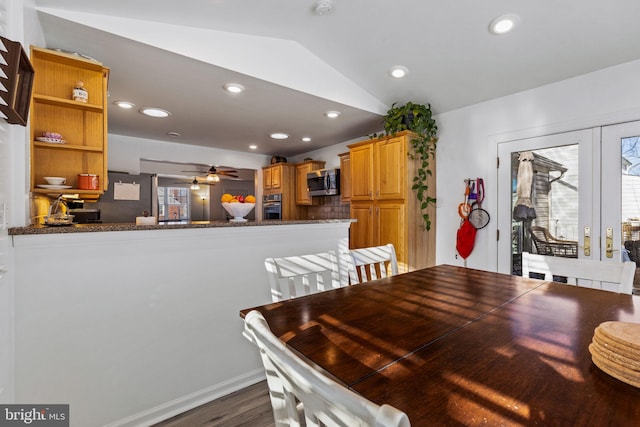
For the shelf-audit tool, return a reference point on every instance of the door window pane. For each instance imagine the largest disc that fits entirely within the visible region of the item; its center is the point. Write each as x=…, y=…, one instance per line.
x=630, y=209
x=544, y=203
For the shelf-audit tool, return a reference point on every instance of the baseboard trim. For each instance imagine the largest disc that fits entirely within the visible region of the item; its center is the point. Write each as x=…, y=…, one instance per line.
x=182, y=404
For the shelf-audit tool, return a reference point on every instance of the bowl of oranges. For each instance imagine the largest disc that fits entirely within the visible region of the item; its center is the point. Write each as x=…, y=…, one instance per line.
x=238, y=206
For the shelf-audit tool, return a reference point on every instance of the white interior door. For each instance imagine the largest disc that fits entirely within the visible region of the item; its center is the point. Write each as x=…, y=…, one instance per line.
x=565, y=193
x=621, y=195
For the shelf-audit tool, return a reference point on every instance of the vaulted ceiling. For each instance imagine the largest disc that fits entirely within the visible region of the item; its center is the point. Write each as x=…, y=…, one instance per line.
x=295, y=65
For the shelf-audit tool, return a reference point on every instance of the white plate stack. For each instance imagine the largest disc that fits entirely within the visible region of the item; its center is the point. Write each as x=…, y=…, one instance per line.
x=615, y=349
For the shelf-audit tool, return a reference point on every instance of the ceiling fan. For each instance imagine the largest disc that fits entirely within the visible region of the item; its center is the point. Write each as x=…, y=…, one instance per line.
x=214, y=175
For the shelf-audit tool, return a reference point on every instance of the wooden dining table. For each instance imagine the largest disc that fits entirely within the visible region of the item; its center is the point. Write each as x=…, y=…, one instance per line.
x=457, y=346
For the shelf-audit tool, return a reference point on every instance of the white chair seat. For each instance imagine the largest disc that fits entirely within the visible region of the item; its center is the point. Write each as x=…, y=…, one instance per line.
x=293, y=276
x=371, y=263
x=610, y=276
x=302, y=396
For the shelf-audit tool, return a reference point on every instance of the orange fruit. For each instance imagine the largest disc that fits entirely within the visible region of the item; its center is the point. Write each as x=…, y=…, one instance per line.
x=234, y=200
x=250, y=199
x=226, y=198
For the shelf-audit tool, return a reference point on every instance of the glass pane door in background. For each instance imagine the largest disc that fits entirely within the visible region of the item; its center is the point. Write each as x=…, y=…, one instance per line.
x=621, y=205
x=548, y=197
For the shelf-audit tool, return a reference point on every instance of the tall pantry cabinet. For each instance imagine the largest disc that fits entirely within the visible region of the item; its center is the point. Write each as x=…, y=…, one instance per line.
x=385, y=206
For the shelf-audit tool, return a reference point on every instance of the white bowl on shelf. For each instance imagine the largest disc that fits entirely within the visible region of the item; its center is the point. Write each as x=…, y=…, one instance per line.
x=238, y=210
x=55, y=180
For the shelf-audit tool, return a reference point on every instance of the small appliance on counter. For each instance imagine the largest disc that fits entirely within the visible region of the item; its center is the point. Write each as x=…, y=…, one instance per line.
x=86, y=216
x=83, y=215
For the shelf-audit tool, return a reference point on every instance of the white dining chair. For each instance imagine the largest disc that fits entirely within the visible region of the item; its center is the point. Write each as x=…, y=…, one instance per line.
x=302, y=396
x=293, y=276
x=610, y=276
x=371, y=263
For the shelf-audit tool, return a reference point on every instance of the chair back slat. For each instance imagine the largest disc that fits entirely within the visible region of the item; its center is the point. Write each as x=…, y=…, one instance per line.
x=371, y=263
x=301, y=395
x=610, y=276
x=294, y=276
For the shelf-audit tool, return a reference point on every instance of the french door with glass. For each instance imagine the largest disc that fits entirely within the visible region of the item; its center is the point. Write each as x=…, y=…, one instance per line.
x=620, y=229
x=584, y=191
x=558, y=207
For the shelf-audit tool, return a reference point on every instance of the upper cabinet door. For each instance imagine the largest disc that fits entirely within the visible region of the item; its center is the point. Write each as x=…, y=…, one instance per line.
x=362, y=172
x=391, y=159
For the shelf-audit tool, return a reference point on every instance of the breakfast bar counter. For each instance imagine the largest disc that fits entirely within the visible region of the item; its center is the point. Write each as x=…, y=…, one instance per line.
x=85, y=228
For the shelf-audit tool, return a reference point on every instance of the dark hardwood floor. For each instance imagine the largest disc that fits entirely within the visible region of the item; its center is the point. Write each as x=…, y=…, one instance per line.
x=249, y=407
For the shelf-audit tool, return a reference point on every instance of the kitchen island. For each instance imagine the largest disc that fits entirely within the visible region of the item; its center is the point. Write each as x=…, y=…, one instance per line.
x=140, y=323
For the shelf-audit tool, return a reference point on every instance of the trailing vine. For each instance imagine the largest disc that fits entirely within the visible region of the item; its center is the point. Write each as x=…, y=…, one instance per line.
x=418, y=119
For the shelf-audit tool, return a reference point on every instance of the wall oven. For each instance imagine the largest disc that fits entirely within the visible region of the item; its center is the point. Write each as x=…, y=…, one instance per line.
x=272, y=207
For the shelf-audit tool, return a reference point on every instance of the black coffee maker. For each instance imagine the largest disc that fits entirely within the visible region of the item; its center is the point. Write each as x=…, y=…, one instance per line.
x=83, y=215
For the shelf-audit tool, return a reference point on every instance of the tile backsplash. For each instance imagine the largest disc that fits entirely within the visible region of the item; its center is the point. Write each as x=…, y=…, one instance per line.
x=327, y=207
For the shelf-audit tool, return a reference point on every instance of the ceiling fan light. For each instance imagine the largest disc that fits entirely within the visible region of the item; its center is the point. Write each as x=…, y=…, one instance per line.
x=212, y=177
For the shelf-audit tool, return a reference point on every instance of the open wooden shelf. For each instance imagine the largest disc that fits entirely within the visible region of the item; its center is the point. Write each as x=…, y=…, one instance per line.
x=82, y=125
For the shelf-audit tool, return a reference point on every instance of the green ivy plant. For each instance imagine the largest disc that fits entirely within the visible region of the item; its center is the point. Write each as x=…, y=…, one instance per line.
x=418, y=119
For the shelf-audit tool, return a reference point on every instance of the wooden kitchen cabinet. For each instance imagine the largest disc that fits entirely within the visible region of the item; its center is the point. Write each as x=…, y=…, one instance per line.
x=361, y=157
x=302, y=169
x=83, y=126
x=384, y=205
x=280, y=178
x=272, y=177
x=345, y=177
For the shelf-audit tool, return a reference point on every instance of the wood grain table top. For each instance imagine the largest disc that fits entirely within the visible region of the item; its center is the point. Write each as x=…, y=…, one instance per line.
x=456, y=346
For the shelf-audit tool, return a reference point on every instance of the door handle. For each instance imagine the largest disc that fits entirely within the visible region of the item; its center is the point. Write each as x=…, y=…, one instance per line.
x=587, y=241
x=609, y=243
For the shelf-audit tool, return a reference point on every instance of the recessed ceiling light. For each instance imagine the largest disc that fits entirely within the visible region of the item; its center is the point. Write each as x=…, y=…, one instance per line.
x=174, y=134
x=398, y=71
x=233, y=88
x=279, y=135
x=306, y=139
x=154, y=112
x=125, y=104
x=332, y=114
x=253, y=147
x=504, y=24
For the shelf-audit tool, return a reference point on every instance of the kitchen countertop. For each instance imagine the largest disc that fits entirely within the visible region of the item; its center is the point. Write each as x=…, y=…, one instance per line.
x=84, y=228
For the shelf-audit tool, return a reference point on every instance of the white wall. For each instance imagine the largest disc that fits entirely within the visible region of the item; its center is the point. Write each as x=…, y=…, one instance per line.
x=17, y=23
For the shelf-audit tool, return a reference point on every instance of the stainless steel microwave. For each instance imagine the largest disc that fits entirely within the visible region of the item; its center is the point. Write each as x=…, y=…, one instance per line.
x=323, y=182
